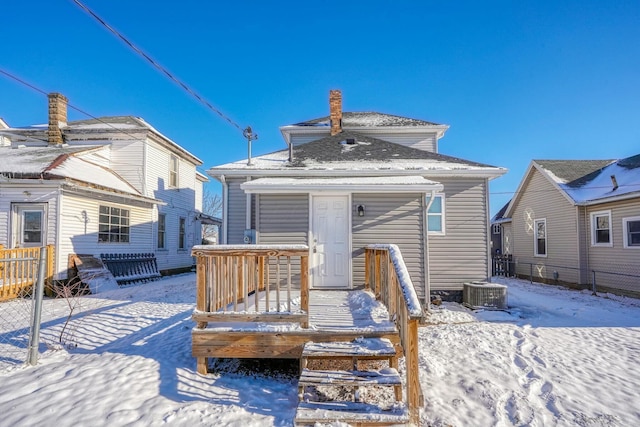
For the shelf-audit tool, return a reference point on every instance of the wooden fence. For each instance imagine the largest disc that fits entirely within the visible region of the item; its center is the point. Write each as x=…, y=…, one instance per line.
x=251, y=283
x=19, y=270
x=387, y=276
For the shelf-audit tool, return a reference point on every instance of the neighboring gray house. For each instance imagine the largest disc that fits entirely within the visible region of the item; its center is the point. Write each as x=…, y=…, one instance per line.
x=353, y=179
x=571, y=218
x=108, y=185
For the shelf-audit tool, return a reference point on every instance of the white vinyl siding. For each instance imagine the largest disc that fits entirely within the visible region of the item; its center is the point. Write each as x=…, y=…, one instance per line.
x=80, y=236
x=389, y=218
x=127, y=160
x=601, y=228
x=462, y=254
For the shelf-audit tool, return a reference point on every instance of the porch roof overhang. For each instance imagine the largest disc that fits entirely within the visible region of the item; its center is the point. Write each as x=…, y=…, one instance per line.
x=395, y=184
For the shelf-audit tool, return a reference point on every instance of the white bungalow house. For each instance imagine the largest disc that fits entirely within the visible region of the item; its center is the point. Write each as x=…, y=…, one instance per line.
x=356, y=178
x=576, y=222
x=110, y=185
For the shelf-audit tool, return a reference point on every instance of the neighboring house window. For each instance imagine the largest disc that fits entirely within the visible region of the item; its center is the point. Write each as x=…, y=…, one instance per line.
x=631, y=230
x=435, y=215
x=113, y=225
x=173, y=171
x=181, y=233
x=540, y=241
x=162, y=229
x=496, y=228
x=601, y=228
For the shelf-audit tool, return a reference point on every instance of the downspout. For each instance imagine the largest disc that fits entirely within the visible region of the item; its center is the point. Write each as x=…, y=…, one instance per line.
x=487, y=227
x=56, y=249
x=425, y=237
x=247, y=220
x=225, y=210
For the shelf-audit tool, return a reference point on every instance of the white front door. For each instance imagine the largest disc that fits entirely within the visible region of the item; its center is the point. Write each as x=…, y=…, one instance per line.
x=330, y=257
x=29, y=225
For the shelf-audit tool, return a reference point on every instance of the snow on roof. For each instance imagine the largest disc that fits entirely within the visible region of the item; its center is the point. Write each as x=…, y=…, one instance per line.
x=63, y=162
x=34, y=160
x=368, y=119
x=361, y=184
x=590, y=181
x=602, y=187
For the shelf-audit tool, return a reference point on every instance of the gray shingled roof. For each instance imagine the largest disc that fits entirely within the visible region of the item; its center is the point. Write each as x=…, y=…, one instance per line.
x=348, y=146
x=500, y=214
x=573, y=172
x=368, y=119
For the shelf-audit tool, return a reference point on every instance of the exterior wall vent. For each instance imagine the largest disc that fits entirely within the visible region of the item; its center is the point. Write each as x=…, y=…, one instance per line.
x=484, y=295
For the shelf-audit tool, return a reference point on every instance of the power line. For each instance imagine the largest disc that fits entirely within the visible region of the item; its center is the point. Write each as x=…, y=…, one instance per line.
x=159, y=67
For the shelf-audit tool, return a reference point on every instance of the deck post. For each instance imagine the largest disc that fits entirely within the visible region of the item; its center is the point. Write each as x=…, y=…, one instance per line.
x=377, y=275
x=201, y=284
x=414, y=391
x=304, y=288
x=367, y=265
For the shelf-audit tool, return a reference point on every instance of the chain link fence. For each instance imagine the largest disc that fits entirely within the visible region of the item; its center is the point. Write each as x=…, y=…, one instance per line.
x=618, y=279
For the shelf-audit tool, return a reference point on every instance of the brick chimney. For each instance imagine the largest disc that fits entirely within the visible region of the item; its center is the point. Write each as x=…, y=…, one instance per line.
x=335, y=111
x=57, y=117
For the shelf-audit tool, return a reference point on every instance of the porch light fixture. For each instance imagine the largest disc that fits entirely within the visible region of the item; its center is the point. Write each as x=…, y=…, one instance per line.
x=360, y=209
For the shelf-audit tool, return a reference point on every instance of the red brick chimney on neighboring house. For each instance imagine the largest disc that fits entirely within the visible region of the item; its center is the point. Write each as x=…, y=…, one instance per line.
x=335, y=111
x=57, y=117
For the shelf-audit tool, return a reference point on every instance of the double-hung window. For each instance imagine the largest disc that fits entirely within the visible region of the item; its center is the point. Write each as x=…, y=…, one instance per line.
x=601, y=229
x=113, y=225
x=173, y=171
x=162, y=230
x=540, y=237
x=182, y=233
x=435, y=214
x=631, y=232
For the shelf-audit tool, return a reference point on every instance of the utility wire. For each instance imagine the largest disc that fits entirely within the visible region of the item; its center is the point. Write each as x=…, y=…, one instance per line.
x=159, y=67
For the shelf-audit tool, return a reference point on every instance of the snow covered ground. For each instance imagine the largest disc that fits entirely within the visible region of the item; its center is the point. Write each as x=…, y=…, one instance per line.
x=558, y=357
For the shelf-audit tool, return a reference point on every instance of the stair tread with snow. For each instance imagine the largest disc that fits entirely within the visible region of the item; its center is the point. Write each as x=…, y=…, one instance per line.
x=362, y=348
x=383, y=377
x=309, y=413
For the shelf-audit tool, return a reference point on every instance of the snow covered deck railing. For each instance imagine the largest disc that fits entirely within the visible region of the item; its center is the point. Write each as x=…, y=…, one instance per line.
x=19, y=270
x=387, y=276
x=251, y=283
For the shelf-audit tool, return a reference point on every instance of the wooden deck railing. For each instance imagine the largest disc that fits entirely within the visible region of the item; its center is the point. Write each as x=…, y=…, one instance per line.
x=19, y=270
x=251, y=283
x=387, y=276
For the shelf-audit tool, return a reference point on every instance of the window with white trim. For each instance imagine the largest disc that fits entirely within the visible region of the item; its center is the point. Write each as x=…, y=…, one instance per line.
x=182, y=233
x=631, y=232
x=162, y=230
x=173, y=171
x=601, y=228
x=496, y=228
x=540, y=237
x=113, y=225
x=435, y=215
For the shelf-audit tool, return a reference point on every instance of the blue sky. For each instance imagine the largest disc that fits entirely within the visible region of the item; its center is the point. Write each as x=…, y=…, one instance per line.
x=515, y=80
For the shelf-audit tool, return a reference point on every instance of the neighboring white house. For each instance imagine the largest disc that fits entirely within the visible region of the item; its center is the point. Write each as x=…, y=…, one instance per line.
x=107, y=185
x=358, y=178
x=576, y=221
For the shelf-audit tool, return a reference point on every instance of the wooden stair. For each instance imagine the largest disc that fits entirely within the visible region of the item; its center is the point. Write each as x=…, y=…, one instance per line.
x=338, y=395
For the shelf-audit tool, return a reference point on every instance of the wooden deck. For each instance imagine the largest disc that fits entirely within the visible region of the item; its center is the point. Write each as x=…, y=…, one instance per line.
x=254, y=301
x=333, y=316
